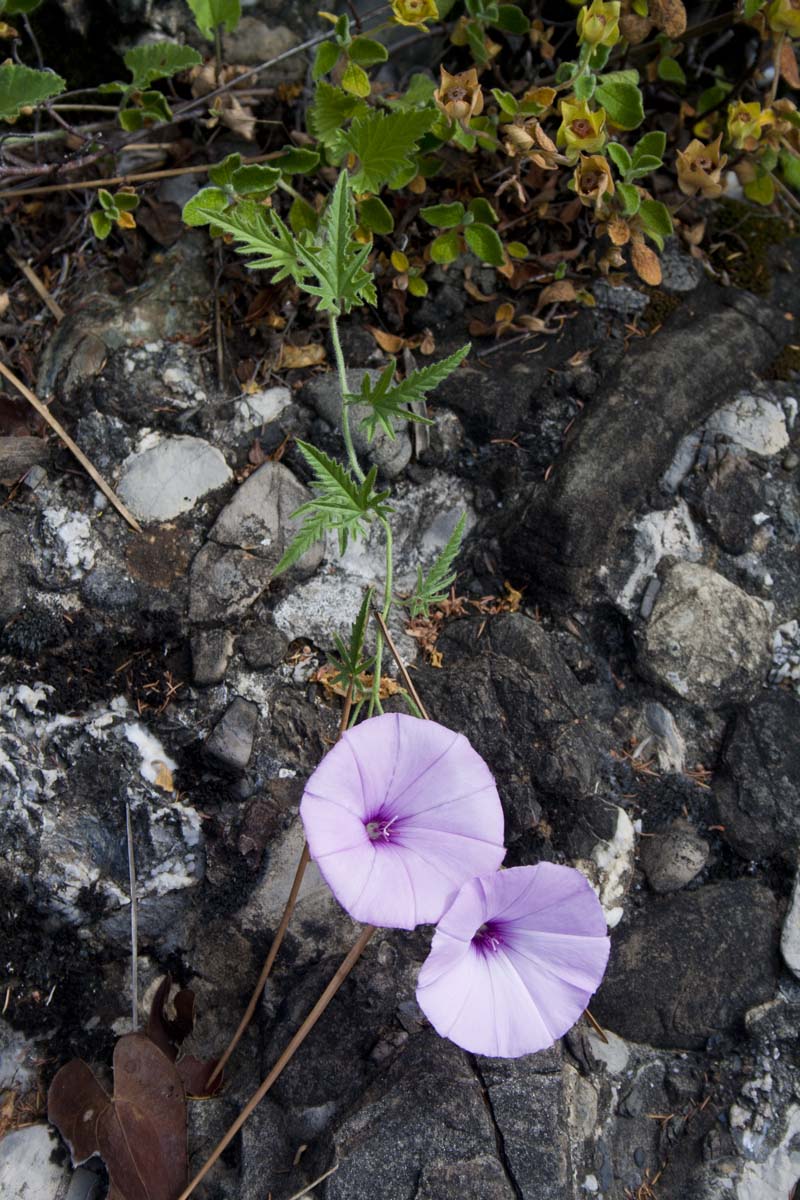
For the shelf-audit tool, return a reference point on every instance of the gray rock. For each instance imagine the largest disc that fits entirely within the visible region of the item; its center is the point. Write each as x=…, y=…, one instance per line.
x=211, y=653
x=691, y=965
x=18, y=1060
x=680, y=272
x=258, y=518
x=564, y=533
x=625, y=301
x=263, y=647
x=707, y=640
x=758, y=788
x=391, y=456
x=31, y=1168
x=224, y=583
x=673, y=857
x=230, y=742
x=790, y=936
x=754, y=420
x=728, y=498
x=14, y=557
x=254, y=42
x=656, y=535
x=168, y=479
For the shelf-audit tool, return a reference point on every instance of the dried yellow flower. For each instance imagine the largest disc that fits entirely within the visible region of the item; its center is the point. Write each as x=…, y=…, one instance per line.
x=459, y=96
x=700, y=169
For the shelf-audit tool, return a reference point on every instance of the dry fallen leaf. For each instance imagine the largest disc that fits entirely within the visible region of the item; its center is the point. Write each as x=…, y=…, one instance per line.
x=560, y=292
x=788, y=65
x=312, y=355
x=646, y=264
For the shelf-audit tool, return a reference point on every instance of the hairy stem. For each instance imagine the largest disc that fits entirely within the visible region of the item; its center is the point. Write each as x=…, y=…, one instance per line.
x=375, y=698
x=346, y=434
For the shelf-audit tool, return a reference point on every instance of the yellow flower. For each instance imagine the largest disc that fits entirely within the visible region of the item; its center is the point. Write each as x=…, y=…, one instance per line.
x=459, y=96
x=746, y=122
x=598, y=23
x=700, y=169
x=414, y=12
x=783, y=16
x=581, y=130
x=592, y=180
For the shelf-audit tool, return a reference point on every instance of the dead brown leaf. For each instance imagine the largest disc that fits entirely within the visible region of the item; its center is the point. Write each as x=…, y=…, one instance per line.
x=646, y=263
x=560, y=292
x=290, y=357
x=788, y=65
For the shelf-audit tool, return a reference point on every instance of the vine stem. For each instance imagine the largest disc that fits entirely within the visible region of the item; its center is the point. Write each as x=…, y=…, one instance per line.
x=776, y=77
x=319, y=1008
x=347, y=435
x=280, y=933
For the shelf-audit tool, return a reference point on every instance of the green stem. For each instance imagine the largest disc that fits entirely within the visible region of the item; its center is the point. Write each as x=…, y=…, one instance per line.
x=375, y=698
x=348, y=437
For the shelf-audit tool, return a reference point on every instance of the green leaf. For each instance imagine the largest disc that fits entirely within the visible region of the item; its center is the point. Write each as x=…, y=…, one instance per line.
x=375, y=216
x=296, y=160
x=475, y=40
x=382, y=143
x=443, y=216
x=106, y=200
x=484, y=242
x=511, y=19
x=654, y=143
x=630, y=197
x=131, y=119
x=419, y=91
x=790, y=169
x=255, y=178
x=154, y=106
x=126, y=201
x=599, y=57
x=222, y=172
x=517, y=249
x=751, y=7
x=761, y=189
x=508, y=103
x=210, y=13
x=622, y=101
x=22, y=87
x=340, y=503
x=671, y=71
x=13, y=8
x=656, y=221
x=355, y=80
x=159, y=60
x=331, y=108
x=367, y=52
x=644, y=166
x=481, y=210
x=713, y=96
x=446, y=247
x=257, y=230
x=390, y=403
x=417, y=286
x=102, y=224
x=620, y=157
x=303, y=216
x=434, y=587
x=585, y=87
x=325, y=59
x=338, y=263
x=350, y=664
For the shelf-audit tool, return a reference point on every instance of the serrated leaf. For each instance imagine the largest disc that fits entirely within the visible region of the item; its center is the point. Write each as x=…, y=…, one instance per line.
x=443, y=216
x=446, y=247
x=375, y=216
x=159, y=60
x=485, y=244
x=296, y=160
x=303, y=216
x=198, y=210
x=390, y=402
x=382, y=143
x=325, y=59
x=355, y=80
x=209, y=14
x=338, y=263
x=419, y=91
x=351, y=664
x=22, y=87
x=434, y=587
x=255, y=178
x=331, y=108
x=367, y=52
x=256, y=230
x=222, y=172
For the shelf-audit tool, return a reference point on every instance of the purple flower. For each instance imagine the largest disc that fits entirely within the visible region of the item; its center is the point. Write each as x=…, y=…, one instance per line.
x=397, y=816
x=514, y=960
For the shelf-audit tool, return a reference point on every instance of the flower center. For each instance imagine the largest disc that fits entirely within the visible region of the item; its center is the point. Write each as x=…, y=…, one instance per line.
x=488, y=939
x=582, y=128
x=379, y=829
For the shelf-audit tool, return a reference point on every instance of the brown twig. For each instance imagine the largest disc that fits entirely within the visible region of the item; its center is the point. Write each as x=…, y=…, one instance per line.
x=596, y=1026
x=43, y=411
x=400, y=664
x=319, y=1008
x=37, y=285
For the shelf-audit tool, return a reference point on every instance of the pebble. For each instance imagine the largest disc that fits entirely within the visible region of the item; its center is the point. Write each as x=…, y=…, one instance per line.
x=168, y=478
x=211, y=653
x=230, y=742
x=31, y=1168
x=673, y=857
x=790, y=937
x=753, y=421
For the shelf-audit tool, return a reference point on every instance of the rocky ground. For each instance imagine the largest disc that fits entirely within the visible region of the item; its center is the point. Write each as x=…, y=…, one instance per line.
x=623, y=650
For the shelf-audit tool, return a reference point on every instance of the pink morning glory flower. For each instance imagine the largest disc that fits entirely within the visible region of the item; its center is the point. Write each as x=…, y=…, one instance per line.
x=397, y=816
x=514, y=960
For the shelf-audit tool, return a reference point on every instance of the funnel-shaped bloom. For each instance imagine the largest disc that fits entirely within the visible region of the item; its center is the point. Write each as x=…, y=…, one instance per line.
x=398, y=815
x=514, y=960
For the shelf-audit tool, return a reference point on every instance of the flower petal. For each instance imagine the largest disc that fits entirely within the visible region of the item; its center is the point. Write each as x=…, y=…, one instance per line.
x=515, y=960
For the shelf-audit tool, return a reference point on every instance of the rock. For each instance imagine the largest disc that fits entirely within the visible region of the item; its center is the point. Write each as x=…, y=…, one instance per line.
x=777, y=1176
x=564, y=533
x=786, y=654
x=654, y=536
x=625, y=301
x=230, y=742
x=672, y=857
x=211, y=653
x=258, y=518
x=790, y=937
x=407, y=1127
x=224, y=583
x=390, y=455
x=253, y=42
x=168, y=478
x=680, y=272
x=691, y=965
x=707, y=640
x=19, y=454
x=758, y=788
x=264, y=646
x=753, y=421
x=18, y=1060
x=14, y=561
x=259, y=408
x=728, y=499
x=31, y=1168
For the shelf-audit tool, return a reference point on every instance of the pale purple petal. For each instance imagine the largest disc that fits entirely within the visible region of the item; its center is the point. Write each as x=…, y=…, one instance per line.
x=398, y=815
x=515, y=960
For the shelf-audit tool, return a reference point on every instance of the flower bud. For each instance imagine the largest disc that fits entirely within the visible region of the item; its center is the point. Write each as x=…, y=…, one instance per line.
x=414, y=12
x=598, y=23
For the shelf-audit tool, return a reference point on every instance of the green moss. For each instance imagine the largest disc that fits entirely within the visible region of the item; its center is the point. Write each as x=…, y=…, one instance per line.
x=743, y=236
x=661, y=306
